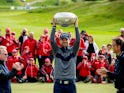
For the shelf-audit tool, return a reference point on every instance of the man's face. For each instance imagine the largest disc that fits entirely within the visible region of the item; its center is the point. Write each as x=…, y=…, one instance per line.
x=4, y=55
x=64, y=42
x=116, y=48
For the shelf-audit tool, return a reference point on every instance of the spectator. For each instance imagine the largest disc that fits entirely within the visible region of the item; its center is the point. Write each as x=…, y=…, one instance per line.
x=43, y=50
x=97, y=65
x=32, y=43
x=23, y=37
x=5, y=75
x=105, y=52
x=15, y=44
x=84, y=70
x=46, y=72
x=91, y=47
x=26, y=54
x=122, y=32
x=110, y=52
x=84, y=35
x=92, y=60
x=31, y=73
x=13, y=59
x=57, y=37
x=1, y=38
x=47, y=37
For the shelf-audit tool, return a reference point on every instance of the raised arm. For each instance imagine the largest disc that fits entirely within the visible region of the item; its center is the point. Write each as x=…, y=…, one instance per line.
x=77, y=43
x=52, y=38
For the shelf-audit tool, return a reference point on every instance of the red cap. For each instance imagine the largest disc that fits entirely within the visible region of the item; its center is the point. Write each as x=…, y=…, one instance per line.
x=14, y=51
x=46, y=30
x=47, y=60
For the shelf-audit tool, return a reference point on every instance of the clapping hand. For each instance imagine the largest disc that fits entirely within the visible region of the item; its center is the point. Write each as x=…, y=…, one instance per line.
x=18, y=66
x=103, y=71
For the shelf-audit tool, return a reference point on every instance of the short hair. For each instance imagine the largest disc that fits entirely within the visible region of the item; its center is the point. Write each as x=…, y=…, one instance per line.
x=109, y=44
x=121, y=29
x=2, y=48
x=119, y=41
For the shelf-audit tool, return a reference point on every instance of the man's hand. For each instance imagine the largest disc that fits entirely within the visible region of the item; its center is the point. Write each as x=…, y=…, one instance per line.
x=53, y=23
x=76, y=22
x=103, y=71
x=18, y=66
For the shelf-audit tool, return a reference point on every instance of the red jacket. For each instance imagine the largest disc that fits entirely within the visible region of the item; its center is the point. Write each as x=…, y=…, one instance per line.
x=32, y=70
x=111, y=68
x=84, y=69
x=10, y=43
x=58, y=41
x=81, y=48
x=46, y=69
x=97, y=65
x=26, y=57
x=43, y=48
x=11, y=61
x=32, y=45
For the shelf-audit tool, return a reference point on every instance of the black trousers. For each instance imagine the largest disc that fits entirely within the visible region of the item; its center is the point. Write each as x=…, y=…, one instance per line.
x=41, y=60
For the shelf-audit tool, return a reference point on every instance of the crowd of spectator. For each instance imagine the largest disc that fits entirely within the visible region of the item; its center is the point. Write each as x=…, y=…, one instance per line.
x=27, y=50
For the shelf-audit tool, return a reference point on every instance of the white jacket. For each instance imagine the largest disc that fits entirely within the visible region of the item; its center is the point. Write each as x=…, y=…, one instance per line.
x=96, y=49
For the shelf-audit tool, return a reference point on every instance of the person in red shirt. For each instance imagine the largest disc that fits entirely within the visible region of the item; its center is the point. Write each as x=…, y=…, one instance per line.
x=31, y=73
x=92, y=60
x=26, y=55
x=8, y=41
x=32, y=43
x=57, y=37
x=80, y=51
x=97, y=65
x=46, y=34
x=43, y=50
x=46, y=72
x=1, y=38
x=84, y=70
x=13, y=59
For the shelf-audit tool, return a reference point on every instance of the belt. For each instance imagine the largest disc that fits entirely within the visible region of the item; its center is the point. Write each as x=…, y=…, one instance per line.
x=65, y=82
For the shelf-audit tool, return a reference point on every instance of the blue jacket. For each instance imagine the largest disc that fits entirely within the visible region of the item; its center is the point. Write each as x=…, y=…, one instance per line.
x=118, y=74
x=5, y=76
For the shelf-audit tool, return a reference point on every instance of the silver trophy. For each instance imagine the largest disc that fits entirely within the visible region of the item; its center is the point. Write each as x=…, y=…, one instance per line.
x=65, y=18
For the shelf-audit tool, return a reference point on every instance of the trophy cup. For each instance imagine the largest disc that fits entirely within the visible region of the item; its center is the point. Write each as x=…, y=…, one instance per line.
x=64, y=19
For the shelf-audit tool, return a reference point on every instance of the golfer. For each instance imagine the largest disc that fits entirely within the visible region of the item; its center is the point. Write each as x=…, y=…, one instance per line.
x=65, y=61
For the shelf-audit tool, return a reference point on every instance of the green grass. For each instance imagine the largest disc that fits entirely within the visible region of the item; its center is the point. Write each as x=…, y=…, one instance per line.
x=100, y=19
x=48, y=88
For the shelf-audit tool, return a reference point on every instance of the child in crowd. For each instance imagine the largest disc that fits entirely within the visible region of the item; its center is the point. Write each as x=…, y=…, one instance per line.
x=100, y=63
x=84, y=70
x=31, y=73
x=11, y=60
x=46, y=72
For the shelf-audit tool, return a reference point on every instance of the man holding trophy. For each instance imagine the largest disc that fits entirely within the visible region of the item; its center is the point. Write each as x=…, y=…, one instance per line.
x=65, y=58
